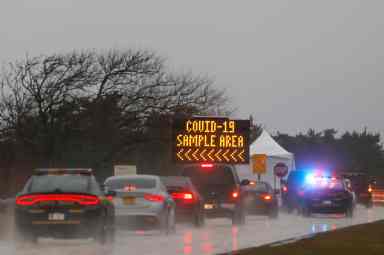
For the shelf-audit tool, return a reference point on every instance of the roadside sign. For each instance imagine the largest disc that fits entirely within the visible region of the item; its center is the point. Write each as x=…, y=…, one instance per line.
x=124, y=170
x=280, y=169
x=213, y=140
x=259, y=163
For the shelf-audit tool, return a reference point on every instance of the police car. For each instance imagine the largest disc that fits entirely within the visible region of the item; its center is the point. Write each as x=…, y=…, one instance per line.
x=317, y=191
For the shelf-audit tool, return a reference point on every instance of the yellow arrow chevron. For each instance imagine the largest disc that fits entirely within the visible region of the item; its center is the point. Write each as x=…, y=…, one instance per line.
x=179, y=154
x=217, y=155
x=202, y=155
x=187, y=154
x=241, y=155
x=210, y=155
x=232, y=155
x=225, y=155
x=194, y=154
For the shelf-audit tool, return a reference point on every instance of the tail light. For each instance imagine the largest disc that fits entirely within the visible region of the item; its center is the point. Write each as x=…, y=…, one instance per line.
x=29, y=200
x=235, y=194
x=110, y=198
x=370, y=189
x=182, y=196
x=154, y=198
x=206, y=165
x=267, y=197
x=285, y=189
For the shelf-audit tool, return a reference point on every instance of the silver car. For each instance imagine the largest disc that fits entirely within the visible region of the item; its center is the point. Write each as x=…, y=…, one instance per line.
x=142, y=200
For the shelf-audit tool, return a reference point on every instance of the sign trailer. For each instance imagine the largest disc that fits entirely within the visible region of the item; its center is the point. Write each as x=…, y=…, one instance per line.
x=213, y=140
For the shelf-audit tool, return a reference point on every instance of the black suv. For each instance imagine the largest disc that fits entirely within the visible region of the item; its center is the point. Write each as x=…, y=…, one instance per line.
x=223, y=193
x=63, y=203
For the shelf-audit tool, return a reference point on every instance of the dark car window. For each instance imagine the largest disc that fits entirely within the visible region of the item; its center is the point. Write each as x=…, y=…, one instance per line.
x=59, y=183
x=260, y=187
x=175, y=181
x=217, y=175
x=139, y=183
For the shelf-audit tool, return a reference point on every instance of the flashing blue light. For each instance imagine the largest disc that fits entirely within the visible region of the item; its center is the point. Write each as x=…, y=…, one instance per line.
x=310, y=179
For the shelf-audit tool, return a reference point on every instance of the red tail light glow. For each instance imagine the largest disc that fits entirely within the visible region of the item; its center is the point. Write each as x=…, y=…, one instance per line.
x=110, y=198
x=185, y=196
x=267, y=197
x=235, y=194
x=285, y=189
x=370, y=189
x=29, y=200
x=154, y=198
x=206, y=165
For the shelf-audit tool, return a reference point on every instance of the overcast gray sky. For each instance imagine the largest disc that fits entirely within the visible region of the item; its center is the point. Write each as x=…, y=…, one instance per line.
x=292, y=64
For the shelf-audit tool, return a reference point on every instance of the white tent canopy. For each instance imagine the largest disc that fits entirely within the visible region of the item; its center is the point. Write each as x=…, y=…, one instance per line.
x=266, y=145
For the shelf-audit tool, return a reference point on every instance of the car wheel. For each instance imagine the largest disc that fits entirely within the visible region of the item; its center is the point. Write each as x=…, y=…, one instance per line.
x=349, y=212
x=23, y=237
x=238, y=217
x=306, y=211
x=199, y=218
x=273, y=213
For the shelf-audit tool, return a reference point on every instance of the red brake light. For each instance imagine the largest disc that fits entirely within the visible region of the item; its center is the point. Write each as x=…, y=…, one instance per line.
x=110, y=198
x=154, y=198
x=235, y=194
x=206, y=165
x=28, y=200
x=369, y=189
x=285, y=189
x=188, y=196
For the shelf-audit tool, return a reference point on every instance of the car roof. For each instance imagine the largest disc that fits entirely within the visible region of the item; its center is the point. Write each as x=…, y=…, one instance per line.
x=132, y=176
x=45, y=171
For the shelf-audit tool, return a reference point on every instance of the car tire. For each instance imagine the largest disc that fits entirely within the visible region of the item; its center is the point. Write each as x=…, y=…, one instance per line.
x=306, y=211
x=199, y=218
x=238, y=217
x=273, y=213
x=349, y=212
x=22, y=237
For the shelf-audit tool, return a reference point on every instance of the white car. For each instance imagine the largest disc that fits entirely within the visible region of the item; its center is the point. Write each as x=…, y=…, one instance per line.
x=142, y=200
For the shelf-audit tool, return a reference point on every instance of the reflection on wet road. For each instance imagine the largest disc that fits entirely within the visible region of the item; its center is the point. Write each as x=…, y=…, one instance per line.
x=217, y=236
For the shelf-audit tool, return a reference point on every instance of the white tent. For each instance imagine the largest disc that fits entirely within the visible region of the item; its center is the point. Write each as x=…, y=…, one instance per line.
x=265, y=144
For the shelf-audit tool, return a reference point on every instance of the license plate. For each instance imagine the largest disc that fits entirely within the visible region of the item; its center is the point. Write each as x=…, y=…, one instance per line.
x=208, y=206
x=129, y=200
x=56, y=216
x=327, y=202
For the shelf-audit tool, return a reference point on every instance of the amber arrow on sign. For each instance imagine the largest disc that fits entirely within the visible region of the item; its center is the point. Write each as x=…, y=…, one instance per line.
x=202, y=155
x=225, y=155
x=241, y=155
x=194, y=154
x=179, y=154
x=233, y=155
x=217, y=155
x=187, y=155
x=210, y=155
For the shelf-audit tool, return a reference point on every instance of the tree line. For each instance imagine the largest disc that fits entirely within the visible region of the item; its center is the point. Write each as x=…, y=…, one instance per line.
x=347, y=152
x=94, y=109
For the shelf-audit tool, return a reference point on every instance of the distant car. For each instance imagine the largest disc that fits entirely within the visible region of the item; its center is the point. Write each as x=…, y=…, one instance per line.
x=222, y=191
x=63, y=203
x=142, y=200
x=362, y=187
x=189, y=203
x=261, y=199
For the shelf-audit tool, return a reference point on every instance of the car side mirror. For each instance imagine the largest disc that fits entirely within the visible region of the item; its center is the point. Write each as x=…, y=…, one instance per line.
x=245, y=182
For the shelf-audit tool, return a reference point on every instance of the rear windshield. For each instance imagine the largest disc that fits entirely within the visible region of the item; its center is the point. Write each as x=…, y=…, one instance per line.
x=138, y=183
x=174, y=182
x=59, y=183
x=259, y=187
x=217, y=175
